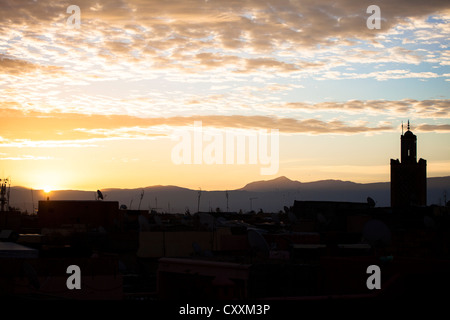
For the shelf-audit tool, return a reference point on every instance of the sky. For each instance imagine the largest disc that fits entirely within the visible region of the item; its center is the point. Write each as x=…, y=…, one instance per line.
x=134, y=93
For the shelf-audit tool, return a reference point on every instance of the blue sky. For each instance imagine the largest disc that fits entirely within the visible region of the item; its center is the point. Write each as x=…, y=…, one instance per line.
x=134, y=71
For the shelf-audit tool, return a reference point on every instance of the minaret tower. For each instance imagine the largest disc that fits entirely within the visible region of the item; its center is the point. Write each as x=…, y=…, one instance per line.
x=408, y=147
x=408, y=177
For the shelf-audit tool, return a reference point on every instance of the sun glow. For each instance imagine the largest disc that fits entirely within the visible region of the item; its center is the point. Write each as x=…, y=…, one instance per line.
x=47, y=189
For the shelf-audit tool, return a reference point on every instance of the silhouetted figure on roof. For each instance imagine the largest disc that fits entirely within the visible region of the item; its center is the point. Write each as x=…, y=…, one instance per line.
x=371, y=202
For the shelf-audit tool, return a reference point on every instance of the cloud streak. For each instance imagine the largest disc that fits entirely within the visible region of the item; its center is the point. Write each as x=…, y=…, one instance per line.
x=168, y=34
x=436, y=108
x=26, y=157
x=17, y=67
x=301, y=22
x=58, y=129
x=434, y=128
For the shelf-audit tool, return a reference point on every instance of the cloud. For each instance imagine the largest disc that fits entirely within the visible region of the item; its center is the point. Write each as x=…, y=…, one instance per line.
x=436, y=108
x=74, y=130
x=260, y=26
x=196, y=41
x=220, y=43
x=434, y=128
x=25, y=143
x=287, y=125
x=13, y=66
x=378, y=75
x=26, y=157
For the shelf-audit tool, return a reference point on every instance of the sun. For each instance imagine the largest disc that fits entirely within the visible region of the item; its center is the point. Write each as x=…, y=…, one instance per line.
x=47, y=189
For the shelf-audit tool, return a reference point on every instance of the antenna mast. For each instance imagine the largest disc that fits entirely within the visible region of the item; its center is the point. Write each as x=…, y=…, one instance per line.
x=226, y=195
x=198, y=199
x=140, y=200
x=156, y=205
x=32, y=199
x=251, y=202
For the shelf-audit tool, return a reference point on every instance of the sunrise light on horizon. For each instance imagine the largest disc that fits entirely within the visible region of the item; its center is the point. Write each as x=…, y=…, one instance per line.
x=99, y=105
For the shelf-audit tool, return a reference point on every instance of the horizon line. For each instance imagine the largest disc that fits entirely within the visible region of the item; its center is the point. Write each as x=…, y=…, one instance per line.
x=159, y=185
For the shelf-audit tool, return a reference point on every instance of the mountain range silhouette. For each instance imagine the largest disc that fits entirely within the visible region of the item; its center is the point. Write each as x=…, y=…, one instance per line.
x=267, y=195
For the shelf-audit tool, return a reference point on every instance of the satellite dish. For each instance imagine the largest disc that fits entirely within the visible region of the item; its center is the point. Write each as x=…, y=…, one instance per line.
x=99, y=195
x=221, y=221
x=123, y=207
x=377, y=233
x=258, y=243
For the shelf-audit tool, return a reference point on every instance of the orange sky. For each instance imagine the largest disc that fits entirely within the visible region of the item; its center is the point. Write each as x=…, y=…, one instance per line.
x=99, y=106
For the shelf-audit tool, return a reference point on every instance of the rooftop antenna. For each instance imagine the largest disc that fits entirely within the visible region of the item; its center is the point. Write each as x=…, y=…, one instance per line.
x=156, y=205
x=140, y=200
x=251, y=202
x=226, y=195
x=198, y=199
x=9, y=190
x=32, y=200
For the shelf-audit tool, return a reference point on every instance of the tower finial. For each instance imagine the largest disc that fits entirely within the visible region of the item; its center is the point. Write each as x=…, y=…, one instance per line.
x=408, y=124
x=402, y=127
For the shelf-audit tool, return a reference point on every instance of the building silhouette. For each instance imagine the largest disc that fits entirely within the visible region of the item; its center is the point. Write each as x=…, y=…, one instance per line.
x=408, y=176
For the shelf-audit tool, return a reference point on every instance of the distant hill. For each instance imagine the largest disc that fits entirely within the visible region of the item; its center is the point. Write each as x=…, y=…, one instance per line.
x=280, y=183
x=270, y=195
